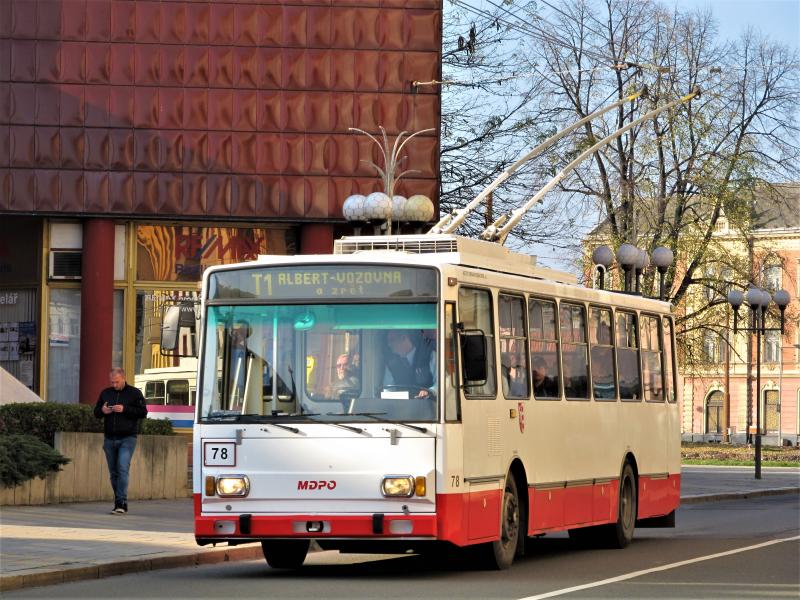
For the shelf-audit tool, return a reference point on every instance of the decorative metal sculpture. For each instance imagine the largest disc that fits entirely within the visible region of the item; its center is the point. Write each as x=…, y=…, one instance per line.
x=375, y=207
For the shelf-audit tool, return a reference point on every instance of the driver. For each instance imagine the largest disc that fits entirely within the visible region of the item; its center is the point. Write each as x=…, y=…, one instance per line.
x=410, y=362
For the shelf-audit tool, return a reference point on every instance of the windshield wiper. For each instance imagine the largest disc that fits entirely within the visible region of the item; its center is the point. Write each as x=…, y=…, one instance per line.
x=256, y=418
x=374, y=415
x=286, y=427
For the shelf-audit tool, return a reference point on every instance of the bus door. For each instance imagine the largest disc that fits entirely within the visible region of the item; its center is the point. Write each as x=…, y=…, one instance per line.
x=657, y=412
x=484, y=468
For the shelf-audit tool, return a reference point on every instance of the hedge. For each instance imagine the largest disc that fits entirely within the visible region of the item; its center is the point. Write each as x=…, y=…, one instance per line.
x=42, y=419
x=23, y=457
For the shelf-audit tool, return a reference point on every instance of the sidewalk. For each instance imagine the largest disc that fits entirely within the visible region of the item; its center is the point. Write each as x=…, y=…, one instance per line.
x=44, y=545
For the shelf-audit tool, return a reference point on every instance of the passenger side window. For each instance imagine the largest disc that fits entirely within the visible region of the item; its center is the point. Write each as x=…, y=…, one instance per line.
x=630, y=386
x=574, y=351
x=602, y=345
x=513, y=347
x=669, y=365
x=651, y=360
x=545, y=375
x=178, y=392
x=154, y=392
x=475, y=312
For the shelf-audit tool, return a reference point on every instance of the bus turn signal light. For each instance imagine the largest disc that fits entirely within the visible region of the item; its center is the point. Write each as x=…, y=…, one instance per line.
x=420, y=486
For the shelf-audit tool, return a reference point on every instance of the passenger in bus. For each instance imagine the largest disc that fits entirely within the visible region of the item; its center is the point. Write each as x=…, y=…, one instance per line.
x=410, y=362
x=544, y=386
x=515, y=375
x=346, y=379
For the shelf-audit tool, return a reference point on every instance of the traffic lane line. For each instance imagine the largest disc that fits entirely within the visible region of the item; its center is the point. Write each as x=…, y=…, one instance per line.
x=675, y=565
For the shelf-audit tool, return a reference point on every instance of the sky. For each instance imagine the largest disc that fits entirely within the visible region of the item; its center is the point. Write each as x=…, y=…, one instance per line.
x=778, y=19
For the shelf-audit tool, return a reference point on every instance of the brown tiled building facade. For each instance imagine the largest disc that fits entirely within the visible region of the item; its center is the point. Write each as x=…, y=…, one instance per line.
x=214, y=121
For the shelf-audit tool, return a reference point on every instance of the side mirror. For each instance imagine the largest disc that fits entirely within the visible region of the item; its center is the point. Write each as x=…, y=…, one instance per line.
x=178, y=321
x=473, y=357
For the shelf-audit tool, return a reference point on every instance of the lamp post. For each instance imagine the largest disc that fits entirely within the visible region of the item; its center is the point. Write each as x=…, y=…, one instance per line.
x=759, y=301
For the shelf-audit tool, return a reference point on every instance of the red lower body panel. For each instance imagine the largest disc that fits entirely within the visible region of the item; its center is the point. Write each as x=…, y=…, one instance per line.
x=470, y=518
x=658, y=496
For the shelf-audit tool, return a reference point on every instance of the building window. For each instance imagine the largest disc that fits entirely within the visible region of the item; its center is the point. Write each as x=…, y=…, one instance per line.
x=772, y=347
x=714, y=348
x=714, y=412
x=772, y=277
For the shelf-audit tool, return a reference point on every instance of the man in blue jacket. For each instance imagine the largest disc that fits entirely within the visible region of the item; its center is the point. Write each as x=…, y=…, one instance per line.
x=121, y=406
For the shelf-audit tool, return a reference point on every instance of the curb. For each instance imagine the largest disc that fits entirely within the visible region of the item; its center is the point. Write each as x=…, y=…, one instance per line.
x=701, y=498
x=247, y=552
x=121, y=567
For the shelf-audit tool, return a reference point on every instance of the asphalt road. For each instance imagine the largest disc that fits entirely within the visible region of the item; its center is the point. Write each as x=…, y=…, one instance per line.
x=734, y=549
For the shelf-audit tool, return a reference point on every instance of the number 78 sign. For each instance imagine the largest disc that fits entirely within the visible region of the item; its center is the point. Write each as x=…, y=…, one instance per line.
x=219, y=454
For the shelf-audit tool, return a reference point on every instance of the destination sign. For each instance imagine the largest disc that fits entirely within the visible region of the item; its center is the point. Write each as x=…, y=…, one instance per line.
x=324, y=282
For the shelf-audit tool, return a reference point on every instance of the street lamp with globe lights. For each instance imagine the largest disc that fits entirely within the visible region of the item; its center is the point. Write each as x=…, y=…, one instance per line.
x=602, y=258
x=759, y=301
x=627, y=256
x=630, y=258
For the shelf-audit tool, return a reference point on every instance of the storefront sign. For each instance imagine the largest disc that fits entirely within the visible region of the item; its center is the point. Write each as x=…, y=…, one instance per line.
x=9, y=298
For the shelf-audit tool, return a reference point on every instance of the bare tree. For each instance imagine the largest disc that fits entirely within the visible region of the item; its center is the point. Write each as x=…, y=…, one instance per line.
x=490, y=116
x=670, y=180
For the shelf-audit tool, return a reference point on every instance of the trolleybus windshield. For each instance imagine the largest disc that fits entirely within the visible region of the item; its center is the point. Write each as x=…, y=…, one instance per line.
x=356, y=359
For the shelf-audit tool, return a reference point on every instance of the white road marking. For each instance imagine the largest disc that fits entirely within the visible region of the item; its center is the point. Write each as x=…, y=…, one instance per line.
x=675, y=565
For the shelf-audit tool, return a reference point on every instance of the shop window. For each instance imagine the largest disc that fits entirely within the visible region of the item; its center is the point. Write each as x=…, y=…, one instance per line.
x=118, y=328
x=18, y=335
x=178, y=253
x=149, y=364
x=63, y=345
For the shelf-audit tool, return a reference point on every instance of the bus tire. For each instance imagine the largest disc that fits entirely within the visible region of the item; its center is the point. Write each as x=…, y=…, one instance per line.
x=285, y=554
x=620, y=533
x=500, y=554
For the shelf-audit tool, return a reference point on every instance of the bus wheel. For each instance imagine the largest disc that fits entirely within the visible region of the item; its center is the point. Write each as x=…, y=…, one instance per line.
x=500, y=554
x=621, y=533
x=285, y=554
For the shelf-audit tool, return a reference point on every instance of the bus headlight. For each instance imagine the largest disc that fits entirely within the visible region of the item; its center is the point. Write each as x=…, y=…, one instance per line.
x=397, y=486
x=233, y=485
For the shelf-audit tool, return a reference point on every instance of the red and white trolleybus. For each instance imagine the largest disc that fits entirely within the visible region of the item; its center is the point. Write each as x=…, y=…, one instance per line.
x=527, y=404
